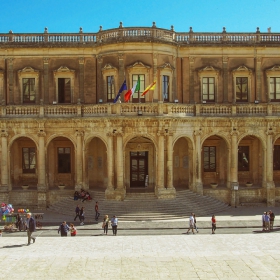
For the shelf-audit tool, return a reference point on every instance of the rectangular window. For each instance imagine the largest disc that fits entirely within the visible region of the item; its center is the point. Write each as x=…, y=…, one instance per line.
x=276, y=157
x=64, y=90
x=137, y=94
x=243, y=158
x=209, y=159
x=241, y=88
x=165, y=88
x=64, y=160
x=208, y=89
x=28, y=160
x=110, y=88
x=274, y=89
x=28, y=86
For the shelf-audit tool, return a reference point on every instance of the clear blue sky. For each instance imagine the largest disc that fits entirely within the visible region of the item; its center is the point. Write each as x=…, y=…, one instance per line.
x=32, y=16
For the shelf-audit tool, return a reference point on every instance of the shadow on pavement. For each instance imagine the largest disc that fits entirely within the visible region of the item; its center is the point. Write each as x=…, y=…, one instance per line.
x=14, y=246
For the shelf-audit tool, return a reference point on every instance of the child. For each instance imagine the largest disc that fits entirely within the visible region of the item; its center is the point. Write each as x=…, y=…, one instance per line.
x=73, y=230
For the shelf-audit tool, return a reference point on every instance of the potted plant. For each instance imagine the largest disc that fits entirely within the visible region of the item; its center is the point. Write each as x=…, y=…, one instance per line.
x=214, y=184
x=249, y=184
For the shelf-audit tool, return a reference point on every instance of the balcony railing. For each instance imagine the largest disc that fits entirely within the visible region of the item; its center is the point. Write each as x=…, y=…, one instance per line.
x=140, y=109
x=140, y=33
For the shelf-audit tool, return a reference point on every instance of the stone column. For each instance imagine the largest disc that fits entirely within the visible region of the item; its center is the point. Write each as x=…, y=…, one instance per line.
x=4, y=162
x=46, y=81
x=155, y=93
x=11, y=100
x=225, y=79
x=79, y=161
x=120, y=190
x=160, y=161
x=191, y=85
x=99, y=94
x=41, y=186
x=81, y=79
x=109, y=193
x=198, y=186
x=270, y=186
x=41, y=162
x=234, y=169
x=258, y=80
x=170, y=188
x=121, y=72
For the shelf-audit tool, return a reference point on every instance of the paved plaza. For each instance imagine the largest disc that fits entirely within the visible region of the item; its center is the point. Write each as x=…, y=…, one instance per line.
x=219, y=256
x=147, y=250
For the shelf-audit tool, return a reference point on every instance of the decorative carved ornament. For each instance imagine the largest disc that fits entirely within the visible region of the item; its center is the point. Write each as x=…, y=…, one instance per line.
x=209, y=69
x=138, y=65
x=167, y=66
x=109, y=67
x=63, y=69
x=28, y=70
x=243, y=69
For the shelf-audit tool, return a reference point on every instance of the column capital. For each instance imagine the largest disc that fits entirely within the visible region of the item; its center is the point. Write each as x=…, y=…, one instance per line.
x=79, y=133
x=99, y=58
x=234, y=132
x=46, y=60
x=81, y=60
x=4, y=134
x=110, y=134
x=197, y=132
x=41, y=133
x=191, y=59
x=270, y=132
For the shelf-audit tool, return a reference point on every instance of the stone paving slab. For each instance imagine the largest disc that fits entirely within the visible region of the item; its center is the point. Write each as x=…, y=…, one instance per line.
x=219, y=256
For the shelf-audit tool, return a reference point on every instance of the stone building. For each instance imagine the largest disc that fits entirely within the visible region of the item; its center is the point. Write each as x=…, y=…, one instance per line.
x=211, y=124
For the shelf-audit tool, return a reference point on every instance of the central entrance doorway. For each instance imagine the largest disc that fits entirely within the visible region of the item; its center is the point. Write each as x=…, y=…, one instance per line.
x=138, y=169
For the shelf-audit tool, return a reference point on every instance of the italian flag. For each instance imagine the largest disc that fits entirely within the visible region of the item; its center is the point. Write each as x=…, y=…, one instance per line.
x=136, y=87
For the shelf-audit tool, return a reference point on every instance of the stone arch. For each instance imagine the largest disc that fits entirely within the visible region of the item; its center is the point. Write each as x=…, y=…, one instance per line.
x=215, y=160
x=276, y=159
x=251, y=159
x=61, y=161
x=140, y=150
x=183, y=168
x=23, y=161
x=96, y=162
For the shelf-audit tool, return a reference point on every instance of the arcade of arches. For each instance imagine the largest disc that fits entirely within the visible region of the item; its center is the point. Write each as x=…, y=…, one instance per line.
x=159, y=156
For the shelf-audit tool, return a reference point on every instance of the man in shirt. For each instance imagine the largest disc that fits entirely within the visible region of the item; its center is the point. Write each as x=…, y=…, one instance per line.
x=191, y=224
x=77, y=211
x=31, y=227
x=114, y=223
x=272, y=217
x=63, y=229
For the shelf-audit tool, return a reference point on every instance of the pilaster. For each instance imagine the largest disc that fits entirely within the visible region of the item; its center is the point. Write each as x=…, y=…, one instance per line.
x=197, y=157
x=79, y=161
x=41, y=162
x=4, y=161
x=81, y=78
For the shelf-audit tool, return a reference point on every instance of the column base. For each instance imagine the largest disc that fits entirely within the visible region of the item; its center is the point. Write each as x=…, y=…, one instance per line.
x=234, y=194
x=42, y=200
x=270, y=194
x=165, y=193
x=4, y=194
x=198, y=188
x=115, y=194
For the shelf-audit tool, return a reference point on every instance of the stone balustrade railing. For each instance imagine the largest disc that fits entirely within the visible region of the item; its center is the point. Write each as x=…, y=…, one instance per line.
x=130, y=33
x=140, y=109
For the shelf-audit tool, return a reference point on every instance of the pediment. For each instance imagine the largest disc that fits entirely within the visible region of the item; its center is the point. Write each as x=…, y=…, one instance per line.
x=167, y=66
x=208, y=69
x=109, y=67
x=64, y=69
x=274, y=68
x=27, y=69
x=242, y=68
x=139, y=64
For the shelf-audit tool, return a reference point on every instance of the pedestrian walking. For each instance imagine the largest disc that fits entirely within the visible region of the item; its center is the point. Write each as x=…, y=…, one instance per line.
x=97, y=214
x=191, y=224
x=82, y=216
x=63, y=229
x=73, y=230
x=77, y=212
x=266, y=221
x=114, y=223
x=214, y=226
x=105, y=224
x=31, y=227
x=263, y=221
x=272, y=217
x=195, y=227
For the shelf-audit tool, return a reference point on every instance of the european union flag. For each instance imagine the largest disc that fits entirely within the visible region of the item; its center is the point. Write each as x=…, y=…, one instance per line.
x=123, y=87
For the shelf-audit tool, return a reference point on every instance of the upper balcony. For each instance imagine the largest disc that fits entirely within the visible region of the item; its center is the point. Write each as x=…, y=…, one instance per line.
x=127, y=34
x=159, y=109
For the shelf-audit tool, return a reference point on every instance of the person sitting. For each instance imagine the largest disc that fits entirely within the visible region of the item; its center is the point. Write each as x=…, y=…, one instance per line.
x=87, y=197
x=76, y=195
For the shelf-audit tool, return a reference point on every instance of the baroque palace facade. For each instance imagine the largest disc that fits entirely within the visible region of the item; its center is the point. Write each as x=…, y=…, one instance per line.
x=212, y=119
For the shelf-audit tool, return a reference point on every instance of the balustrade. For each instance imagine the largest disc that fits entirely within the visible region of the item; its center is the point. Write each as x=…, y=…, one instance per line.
x=143, y=109
x=129, y=32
